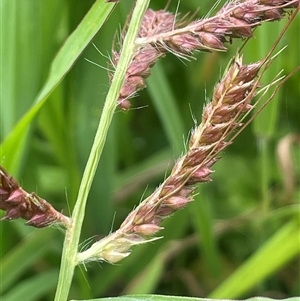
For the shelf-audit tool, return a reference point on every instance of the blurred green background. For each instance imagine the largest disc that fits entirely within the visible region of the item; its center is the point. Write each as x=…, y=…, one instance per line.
x=240, y=238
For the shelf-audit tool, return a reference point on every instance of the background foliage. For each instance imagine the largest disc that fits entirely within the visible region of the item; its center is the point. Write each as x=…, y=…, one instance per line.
x=245, y=212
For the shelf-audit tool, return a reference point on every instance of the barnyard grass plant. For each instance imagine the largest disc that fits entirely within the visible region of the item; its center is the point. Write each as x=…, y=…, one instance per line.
x=149, y=35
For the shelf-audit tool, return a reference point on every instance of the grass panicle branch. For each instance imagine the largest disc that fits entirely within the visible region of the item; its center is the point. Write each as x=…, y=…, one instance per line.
x=221, y=118
x=20, y=204
x=161, y=32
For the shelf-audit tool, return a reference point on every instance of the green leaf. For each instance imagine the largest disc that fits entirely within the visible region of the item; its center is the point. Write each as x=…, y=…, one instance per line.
x=24, y=255
x=149, y=278
x=277, y=251
x=175, y=298
x=166, y=107
x=12, y=148
x=33, y=288
x=201, y=214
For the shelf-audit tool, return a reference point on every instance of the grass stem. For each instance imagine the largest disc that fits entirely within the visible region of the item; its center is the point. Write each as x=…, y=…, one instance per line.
x=72, y=237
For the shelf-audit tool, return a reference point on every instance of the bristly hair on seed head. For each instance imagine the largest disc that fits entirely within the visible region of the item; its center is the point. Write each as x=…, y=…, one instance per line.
x=231, y=101
x=162, y=32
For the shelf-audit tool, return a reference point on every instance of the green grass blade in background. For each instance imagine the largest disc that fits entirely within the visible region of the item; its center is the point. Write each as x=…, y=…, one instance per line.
x=201, y=212
x=277, y=251
x=53, y=120
x=7, y=50
x=148, y=279
x=166, y=107
x=12, y=147
x=17, y=261
x=264, y=125
x=33, y=288
x=26, y=52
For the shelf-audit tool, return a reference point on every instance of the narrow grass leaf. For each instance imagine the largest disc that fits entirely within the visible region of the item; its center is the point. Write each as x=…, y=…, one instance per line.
x=166, y=106
x=177, y=298
x=147, y=280
x=264, y=124
x=12, y=147
x=23, y=256
x=33, y=288
x=202, y=219
x=277, y=251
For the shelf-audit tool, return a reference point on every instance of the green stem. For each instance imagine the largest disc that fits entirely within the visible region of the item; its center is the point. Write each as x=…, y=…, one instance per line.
x=72, y=237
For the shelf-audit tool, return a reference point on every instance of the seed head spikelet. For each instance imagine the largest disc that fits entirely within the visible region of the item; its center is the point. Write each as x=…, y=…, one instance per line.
x=221, y=117
x=161, y=32
x=20, y=204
